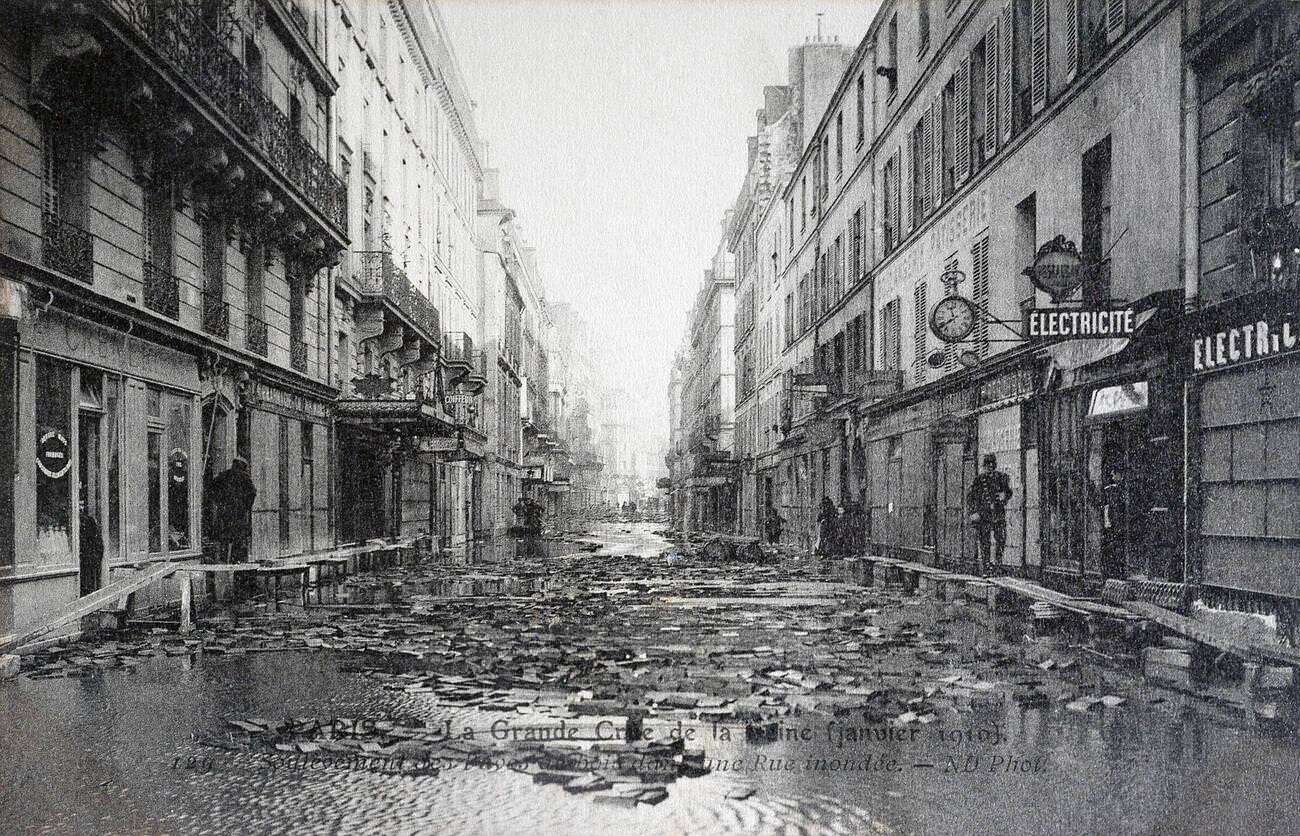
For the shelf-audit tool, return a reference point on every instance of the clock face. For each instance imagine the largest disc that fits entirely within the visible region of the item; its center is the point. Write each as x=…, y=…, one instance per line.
x=953, y=318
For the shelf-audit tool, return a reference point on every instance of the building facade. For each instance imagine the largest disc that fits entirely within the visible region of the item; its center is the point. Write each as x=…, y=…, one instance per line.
x=1243, y=394
x=169, y=215
x=407, y=299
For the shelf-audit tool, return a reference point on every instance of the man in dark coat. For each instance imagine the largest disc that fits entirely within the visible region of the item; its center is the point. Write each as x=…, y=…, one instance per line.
x=987, y=505
x=232, y=503
x=827, y=528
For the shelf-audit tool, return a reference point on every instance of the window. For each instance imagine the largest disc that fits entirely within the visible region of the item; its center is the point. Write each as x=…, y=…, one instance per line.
x=855, y=248
x=283, y=469
x=980, y=75
x=803, y=204
x=979, y=256
x=891, y=57
x=891, y=204
x=1025, y=245
x=839, y=144
x=923, y=25
x=214, y=256
x=862, y=108
x=826, y=165
x=295, y=113
x=920, y=331
x=891, y=336
x=1038, y=56
x=1096, y=199
x=158, y=224
x=53, y=461
x=789, y=318
x=168, y=446
x=945, y=148
x=253, y=63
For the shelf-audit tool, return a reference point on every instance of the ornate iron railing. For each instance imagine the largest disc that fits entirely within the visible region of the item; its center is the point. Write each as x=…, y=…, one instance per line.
x=216, y=315
x=162, y=291
x=176, y=29
x=376, y=275
x=67, y=248
x=298, y=355
x=458, y=349
x=255, y=334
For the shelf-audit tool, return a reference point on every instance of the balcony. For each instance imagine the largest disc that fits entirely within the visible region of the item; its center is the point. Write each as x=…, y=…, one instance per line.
x=458, y=352
x=377, y=277
x=298, y=356
x=177, y=32
x=162, y=291
x=476, y=380
x=255, y=336
x=66, y=247
x=216, y=315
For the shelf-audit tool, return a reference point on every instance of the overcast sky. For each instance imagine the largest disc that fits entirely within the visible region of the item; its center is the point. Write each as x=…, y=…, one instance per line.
x=619, y=129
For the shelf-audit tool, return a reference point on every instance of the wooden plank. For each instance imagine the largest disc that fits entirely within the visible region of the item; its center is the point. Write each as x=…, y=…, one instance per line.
x=1207, y=634
x=95, y=601
x=1066, y=602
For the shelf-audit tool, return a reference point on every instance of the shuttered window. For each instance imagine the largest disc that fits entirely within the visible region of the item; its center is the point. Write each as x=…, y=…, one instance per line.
x=979, y=256
x=920, y=332
x=891, y=330
x=1115, y=18
x=1071, y=39
x=908, y=179
x=936, y=153
x=1006, y=61
x=992, y=82
x=961, y=138
x=1038, y=55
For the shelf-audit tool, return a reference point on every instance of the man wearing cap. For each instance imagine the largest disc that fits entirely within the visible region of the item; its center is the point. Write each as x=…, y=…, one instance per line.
x=987, y=504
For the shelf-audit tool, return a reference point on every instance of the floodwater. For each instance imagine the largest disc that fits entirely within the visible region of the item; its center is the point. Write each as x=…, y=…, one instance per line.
x=114, y=752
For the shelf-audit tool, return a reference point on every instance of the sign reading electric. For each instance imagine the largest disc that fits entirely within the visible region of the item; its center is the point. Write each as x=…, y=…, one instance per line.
x=1081, y=323
x=1251, y=341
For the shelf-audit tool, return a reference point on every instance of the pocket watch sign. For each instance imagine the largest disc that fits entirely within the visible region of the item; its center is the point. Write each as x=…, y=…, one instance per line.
x=52, y=457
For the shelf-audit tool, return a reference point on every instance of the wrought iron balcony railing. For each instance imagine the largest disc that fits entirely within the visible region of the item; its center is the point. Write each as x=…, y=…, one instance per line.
x=216, y=315
x=298, y=355
x=376, y=275
x=67, y=248
x=177, y=31
x=162, y=291
x=255, y=334
x=458, y=349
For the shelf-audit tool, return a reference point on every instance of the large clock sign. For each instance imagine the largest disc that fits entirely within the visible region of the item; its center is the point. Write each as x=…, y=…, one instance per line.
x=953, y=318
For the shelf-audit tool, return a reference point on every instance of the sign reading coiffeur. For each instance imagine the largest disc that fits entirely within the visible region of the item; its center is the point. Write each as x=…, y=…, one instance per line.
x=1241, y=343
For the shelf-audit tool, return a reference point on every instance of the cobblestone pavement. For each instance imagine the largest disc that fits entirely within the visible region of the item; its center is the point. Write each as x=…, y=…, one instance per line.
x=620, y=684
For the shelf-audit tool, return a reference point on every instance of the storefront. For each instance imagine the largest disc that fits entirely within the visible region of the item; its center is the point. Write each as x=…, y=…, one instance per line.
x=107, y=437
x=1110, y=436
x=1244, y=467
x=1005, y=427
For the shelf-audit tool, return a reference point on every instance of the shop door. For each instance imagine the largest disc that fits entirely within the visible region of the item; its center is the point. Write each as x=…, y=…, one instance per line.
x=1133, y=502
x=90, y=539
x=950, y=479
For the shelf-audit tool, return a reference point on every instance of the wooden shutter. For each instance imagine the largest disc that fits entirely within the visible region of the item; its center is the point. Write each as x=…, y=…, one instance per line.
x=896, y=198
x=1038, y=55
x=961, y=122
x=919, y=331
x=992, y=81
x=936, y=151
x=909, y=163
x=980, y=292
x=1006, y=63
x=1115, y=19
x=1071, y=39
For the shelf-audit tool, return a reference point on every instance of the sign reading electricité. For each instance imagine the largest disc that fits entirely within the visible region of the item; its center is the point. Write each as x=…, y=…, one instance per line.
x=1243, y=342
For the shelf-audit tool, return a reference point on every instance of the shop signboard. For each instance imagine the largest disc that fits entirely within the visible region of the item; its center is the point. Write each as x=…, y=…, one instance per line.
x=1119, y=400
x=1080, y=323
x=1250, y=329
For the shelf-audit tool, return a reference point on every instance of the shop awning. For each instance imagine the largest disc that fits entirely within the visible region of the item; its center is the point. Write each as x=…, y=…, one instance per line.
x=411, y=416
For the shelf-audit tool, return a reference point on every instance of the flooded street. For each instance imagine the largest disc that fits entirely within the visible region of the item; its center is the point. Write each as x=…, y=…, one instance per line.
x=817, y=705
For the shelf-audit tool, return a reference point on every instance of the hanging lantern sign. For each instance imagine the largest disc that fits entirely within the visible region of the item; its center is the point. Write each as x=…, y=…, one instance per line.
x=1057, y=269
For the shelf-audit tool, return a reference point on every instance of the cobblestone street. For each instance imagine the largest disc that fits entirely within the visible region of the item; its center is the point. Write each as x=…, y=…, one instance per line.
x=618, y=683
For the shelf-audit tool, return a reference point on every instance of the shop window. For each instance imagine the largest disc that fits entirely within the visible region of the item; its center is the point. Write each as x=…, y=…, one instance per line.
x=284, y=483
x=178, y=472
x=53, y=462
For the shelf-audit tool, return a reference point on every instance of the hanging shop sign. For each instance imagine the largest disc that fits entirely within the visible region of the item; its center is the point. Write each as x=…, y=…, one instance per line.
x=1014, y=386
x=1057, y=269
x=53, y=457
x=1080, y=323
x=1121, y=399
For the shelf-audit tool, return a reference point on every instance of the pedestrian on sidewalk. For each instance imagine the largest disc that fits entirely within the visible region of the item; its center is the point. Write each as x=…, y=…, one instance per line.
x=987, y=505
x=827, y=518
x=233, y=494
